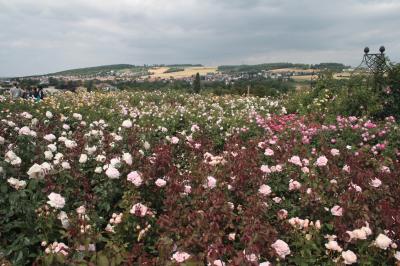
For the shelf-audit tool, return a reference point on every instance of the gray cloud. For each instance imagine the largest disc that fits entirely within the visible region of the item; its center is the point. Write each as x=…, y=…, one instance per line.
x=43, y=36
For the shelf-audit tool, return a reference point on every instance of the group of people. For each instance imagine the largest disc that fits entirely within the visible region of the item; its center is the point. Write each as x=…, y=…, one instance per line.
x=35, y=93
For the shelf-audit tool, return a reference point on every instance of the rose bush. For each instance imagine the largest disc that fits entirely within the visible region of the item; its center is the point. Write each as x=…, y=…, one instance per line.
x=163, y=178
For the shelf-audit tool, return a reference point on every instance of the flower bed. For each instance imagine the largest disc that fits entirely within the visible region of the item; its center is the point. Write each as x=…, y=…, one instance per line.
x=169, y=179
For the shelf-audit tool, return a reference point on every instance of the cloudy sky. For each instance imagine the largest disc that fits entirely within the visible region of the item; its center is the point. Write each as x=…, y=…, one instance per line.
x=41, y=36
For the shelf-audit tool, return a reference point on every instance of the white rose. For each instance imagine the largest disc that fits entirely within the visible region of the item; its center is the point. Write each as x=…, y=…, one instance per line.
x=83, y=158
x=49, y=115
x=112, y=173
x=65, y=165
x=127, y=124
x=127, y=158
x=49, y=137
x=63, y=217
x=146, y=145
x=36, y=172
x=397, y=255
x=77, y=116
x=48, y=155
x=70, y=144
x=25, y=131
x=349, y=257
x=91, y=150
x=56, y=200
x=52, y=147
x=382, y=241
x=98, y=170
x=333, y=245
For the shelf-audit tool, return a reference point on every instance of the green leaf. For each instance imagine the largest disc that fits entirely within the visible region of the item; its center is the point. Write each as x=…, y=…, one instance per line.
x=102, y=260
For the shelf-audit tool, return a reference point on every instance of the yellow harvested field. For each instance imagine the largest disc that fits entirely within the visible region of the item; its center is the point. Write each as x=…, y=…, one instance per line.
x=342, y=75
x=188, y=72
x=302, y=78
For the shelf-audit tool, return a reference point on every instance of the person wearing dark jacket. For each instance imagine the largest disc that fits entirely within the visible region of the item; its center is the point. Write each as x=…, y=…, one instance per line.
x=40, y=93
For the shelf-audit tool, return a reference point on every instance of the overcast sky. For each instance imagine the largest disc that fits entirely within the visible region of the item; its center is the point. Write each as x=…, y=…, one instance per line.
x=41, y=36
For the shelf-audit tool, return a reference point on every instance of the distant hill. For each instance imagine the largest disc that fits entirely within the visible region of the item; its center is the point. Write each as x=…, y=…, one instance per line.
x=229, y=69
x=259, y=67
x=271, y=66
x=98, y=70
x=108, y=69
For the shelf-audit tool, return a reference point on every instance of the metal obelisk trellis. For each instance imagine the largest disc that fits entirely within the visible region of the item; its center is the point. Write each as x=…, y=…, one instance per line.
x=375, y=65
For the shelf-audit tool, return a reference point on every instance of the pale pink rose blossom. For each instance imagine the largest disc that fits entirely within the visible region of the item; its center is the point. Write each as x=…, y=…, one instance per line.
x=295, y=160
x=375, y=182
x=305, y=170
x=264, y=190
x=56, y=200
x=294, y=185
x=188, y=189
x=81, y=210
x=160, y=182
x=335, y=152
x=346, y=168
x=135, y=178
x=180, y=256
x=127, y=158
x=282, y=214
x=265, y=169
x=139, y=210
x=112, y=173
x=321, y=161
x=218, y=263
x=277, y=199
x=174, y=140
x=211, y=182
x=337, y=210
x=250, y=257
x=281, y=248
x=269, y=152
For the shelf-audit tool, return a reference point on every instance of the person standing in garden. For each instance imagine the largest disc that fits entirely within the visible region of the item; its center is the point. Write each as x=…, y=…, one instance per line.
x=15, y=92
x=40, y=93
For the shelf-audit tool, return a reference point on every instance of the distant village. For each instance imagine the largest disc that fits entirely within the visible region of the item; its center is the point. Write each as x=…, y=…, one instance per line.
x=107, y=80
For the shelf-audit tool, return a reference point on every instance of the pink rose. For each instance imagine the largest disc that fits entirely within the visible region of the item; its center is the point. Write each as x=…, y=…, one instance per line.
x=295, y=160
x=139, y=210
x=321, y=161
x=264, y=190
x=335, y=152
x=160, y=182
x=376, y=182
x=269, y=152
x=180, y=256
x=281, y=248
x=337, y=210
x=294, y=185
x=265, y=169
x=135, y=178
x=211, y=182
